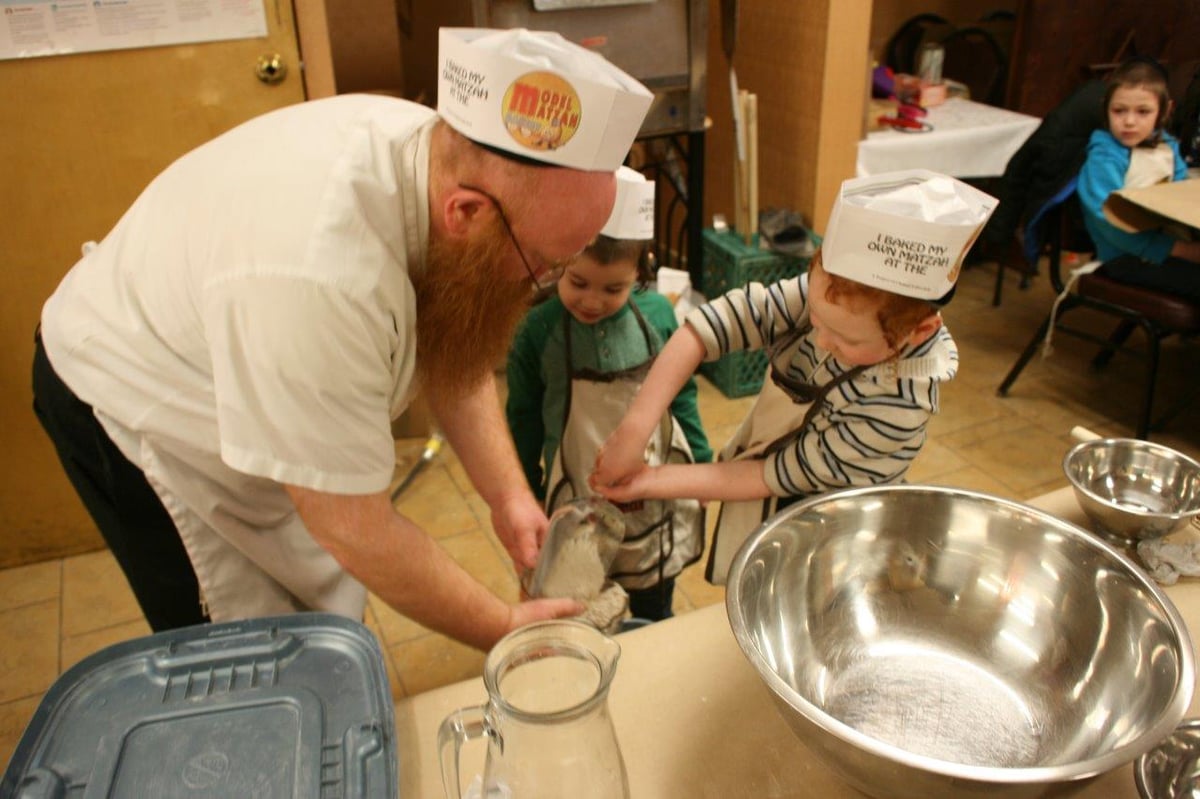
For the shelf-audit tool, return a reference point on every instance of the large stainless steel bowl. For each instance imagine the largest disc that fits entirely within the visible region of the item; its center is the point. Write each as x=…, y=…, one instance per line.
x=927, y=641
x=1133, y=490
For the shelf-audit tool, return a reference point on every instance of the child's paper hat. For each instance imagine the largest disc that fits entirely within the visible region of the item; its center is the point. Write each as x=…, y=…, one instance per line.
x=632, y=215
x=535, y=94
x=904, y=232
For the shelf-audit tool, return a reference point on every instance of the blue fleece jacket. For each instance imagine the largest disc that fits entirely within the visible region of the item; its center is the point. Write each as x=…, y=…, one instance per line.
x=1103, y=173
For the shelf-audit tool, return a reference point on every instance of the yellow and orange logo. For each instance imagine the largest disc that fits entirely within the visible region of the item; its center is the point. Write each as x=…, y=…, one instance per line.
x=962, y=256
x=541, y=111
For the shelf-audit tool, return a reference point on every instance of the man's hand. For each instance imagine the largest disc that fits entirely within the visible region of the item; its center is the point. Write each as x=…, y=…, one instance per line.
x=521, y=526
x=402, y=565
x=475, y=427
x=541, y=610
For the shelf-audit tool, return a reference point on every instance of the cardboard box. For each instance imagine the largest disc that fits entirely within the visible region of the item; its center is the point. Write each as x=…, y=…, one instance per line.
x=1156, y=206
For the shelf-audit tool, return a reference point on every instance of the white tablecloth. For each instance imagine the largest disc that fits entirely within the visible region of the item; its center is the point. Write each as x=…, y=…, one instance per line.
x=968, y=140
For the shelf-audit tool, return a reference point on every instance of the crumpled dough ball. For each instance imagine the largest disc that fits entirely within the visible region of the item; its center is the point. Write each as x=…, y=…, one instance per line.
x=1168, y=560
x=607, y=609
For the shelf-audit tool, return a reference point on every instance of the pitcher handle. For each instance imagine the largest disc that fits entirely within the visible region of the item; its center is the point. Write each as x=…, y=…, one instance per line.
x=459, y=727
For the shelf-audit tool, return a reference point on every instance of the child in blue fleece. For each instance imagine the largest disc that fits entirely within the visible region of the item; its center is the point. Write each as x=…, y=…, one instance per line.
x=1136, y=152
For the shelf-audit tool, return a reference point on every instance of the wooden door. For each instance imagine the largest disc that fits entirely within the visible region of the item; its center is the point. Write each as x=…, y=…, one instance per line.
x=82, y=135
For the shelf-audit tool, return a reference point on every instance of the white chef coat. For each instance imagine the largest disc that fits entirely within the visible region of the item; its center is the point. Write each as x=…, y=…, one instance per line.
x=250, y=321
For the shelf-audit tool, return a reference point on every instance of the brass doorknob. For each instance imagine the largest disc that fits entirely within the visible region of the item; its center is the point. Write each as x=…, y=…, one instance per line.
x=270, y=68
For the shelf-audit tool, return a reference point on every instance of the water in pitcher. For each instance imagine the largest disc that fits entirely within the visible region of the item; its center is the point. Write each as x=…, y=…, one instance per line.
x=546, y=720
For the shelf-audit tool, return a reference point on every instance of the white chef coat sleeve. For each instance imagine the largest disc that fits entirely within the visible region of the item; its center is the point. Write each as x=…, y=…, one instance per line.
x=302, y=380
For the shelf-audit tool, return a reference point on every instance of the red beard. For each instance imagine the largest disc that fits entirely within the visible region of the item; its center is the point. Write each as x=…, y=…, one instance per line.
x=467, y=311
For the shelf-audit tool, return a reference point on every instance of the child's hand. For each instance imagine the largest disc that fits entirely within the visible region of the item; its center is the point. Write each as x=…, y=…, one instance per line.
x=632, y=488
x=618, y=460
x=1187, y=250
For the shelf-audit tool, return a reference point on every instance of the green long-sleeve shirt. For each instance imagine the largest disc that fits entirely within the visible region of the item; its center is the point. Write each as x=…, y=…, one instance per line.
x=537, y=374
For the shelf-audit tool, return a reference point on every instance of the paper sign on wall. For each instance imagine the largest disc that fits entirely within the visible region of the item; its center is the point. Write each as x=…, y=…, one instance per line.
x=30, y=28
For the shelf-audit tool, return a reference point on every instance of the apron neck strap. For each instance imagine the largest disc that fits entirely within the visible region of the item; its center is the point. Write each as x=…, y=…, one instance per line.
x=813, y=407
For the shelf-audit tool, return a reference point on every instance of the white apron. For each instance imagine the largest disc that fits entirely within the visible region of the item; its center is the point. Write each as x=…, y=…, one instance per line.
x=662, y=536
x=249, y=564
x=775, y=420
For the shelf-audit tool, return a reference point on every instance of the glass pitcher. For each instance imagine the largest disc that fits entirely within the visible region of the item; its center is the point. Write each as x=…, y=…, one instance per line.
x=546, y=719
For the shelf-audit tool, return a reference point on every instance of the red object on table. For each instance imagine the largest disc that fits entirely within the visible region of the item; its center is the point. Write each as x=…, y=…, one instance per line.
x=905, y=125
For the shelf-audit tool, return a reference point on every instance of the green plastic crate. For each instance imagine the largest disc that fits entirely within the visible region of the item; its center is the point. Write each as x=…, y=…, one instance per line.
x=738, y=374
x=731, y=263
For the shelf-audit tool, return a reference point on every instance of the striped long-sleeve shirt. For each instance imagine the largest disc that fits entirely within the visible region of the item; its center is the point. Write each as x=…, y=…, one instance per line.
x=870, y=428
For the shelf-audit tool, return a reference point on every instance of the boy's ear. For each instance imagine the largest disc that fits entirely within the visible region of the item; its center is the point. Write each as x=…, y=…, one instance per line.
x=925, y=328
x=1166, y=114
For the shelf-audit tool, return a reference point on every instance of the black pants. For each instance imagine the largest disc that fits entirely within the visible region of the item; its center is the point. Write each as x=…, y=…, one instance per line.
x=653, y=603
x=1173, y=276
x=131, y=518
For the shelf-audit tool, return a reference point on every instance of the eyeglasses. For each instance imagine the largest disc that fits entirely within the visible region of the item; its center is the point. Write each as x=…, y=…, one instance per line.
x=554, y=269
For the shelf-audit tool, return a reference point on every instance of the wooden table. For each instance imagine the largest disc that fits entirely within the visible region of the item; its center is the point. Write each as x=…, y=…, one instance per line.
x=695, y=721
x=968, y=140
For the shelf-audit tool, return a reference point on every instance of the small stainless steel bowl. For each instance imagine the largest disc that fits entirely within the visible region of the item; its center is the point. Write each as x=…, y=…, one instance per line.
x=1171, y=770
x=1133, y=490
x=926, y=641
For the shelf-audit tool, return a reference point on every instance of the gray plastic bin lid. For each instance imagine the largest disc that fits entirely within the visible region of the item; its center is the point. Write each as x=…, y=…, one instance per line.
x=287, y=706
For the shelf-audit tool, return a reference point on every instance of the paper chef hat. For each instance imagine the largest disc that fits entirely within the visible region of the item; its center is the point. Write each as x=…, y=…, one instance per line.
x=632, y=215
x=536, y=94
x=904, y=232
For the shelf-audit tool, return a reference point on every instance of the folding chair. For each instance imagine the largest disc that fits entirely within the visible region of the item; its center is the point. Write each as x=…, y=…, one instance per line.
x=974, y=57
x=1058, y=225
x=1043, y=164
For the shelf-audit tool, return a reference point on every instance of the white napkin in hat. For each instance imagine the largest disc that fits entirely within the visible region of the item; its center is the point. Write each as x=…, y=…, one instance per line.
x=905, y=232
x=533, y=93
x=632, y=216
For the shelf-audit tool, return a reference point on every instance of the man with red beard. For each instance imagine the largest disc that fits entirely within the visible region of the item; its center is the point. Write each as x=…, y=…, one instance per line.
x=219, y=373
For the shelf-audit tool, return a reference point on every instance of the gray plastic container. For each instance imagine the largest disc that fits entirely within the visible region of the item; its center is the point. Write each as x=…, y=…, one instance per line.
x=288, y=706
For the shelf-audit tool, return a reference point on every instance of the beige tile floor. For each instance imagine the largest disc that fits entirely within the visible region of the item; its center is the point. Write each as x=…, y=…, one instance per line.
x=55, y=613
